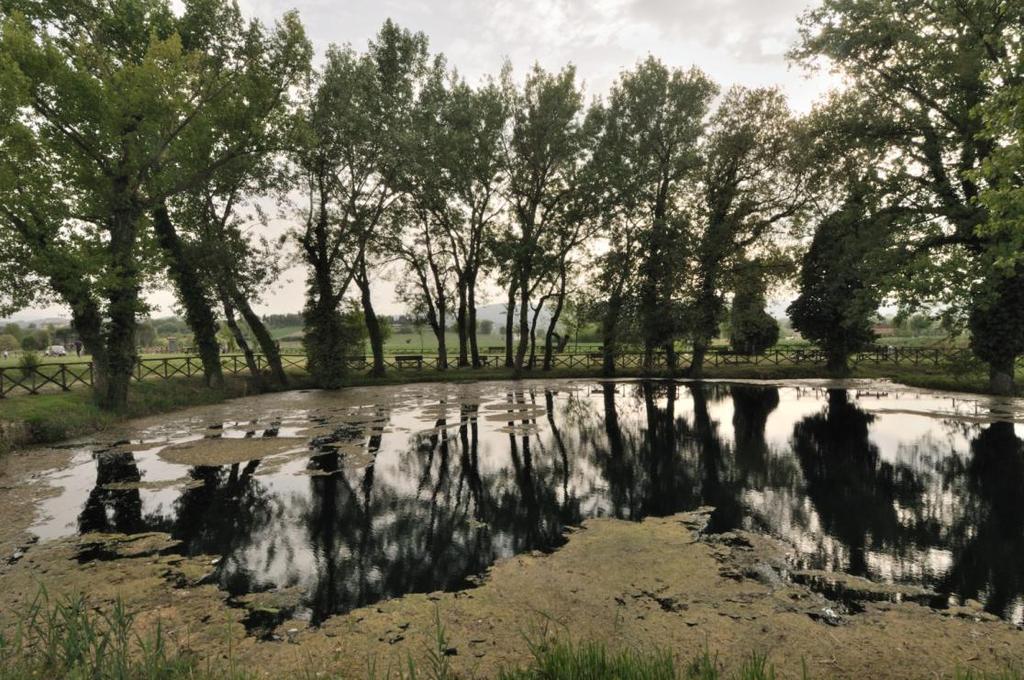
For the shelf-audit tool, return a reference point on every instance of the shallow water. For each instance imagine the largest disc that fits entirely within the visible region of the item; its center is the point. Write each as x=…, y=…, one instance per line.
x=373, y=493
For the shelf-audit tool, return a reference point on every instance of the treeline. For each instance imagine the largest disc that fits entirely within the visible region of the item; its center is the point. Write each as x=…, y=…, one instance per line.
x=138, y=144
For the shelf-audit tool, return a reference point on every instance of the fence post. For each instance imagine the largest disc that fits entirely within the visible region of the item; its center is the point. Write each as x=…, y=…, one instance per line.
x=63, y=378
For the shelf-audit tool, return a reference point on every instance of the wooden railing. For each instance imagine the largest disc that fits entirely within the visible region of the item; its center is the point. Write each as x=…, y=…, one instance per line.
x=63, y=376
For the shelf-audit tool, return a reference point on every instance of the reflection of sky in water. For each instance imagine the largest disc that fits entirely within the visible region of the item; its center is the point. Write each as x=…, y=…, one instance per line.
x=898, y=486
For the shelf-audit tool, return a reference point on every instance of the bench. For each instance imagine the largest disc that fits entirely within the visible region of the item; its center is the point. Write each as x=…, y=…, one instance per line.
x=403, y=359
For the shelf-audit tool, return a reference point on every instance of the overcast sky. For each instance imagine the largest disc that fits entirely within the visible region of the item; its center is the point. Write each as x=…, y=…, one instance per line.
x=735, y=41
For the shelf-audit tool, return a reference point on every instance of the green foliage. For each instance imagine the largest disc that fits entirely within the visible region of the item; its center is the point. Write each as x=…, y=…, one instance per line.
x=996, y=322
x=145, y=334
x=931, y=102
x=751, y=329
x=115, y=103
x=68, y=638
x=29, y=343
x=29, y=362
x=8, y=343
x=840, y=283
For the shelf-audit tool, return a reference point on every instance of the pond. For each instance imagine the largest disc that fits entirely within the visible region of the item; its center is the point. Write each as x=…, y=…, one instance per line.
x=371, y=493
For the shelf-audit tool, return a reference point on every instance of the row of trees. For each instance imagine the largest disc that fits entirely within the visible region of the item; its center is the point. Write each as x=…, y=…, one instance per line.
x=657, y=198
x=137, y=142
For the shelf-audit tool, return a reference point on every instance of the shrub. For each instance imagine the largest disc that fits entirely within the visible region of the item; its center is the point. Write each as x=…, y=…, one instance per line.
x=29, y=363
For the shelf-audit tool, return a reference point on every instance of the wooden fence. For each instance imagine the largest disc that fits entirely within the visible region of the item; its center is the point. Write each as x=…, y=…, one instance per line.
x=63, y=376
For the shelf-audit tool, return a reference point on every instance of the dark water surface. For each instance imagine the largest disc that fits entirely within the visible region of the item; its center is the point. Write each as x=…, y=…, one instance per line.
x=426, y=486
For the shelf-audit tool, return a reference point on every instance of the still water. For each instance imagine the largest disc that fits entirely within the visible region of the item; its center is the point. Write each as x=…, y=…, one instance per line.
x=372, y=493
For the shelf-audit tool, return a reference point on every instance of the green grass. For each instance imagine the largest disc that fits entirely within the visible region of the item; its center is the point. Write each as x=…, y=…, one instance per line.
x=69, y=639
x=285, y=331
x=12, y=361
x=564, y=659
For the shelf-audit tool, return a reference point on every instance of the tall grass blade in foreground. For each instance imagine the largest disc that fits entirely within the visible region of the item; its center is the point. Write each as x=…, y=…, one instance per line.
x=68, y=639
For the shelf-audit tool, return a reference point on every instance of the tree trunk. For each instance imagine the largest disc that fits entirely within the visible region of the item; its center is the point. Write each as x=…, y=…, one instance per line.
x=700, y=350
x=708, y=307
x=671, y=359
x=524, y=320
x=533, y=333
x=549, y=347
x=198, y=311
x=88, y=323
x=1001, y=379
x=243, y=344
x=372, y=323
x=648, y=355
x=324, y=330
x=442, y=343
x=122, y=305
x=266, y=342
x=461, y=321
x=836, y=363
x=610, y=333
x=509, y=325
x=474, y=348
x=702, y=336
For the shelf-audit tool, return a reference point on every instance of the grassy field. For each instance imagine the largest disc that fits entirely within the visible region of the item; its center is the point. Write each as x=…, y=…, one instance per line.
x=13, y=360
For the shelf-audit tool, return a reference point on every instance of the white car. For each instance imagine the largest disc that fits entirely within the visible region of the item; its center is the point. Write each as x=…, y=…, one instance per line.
x=56, y=351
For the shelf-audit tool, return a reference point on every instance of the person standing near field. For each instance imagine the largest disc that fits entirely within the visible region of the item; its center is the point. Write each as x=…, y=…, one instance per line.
x=78, y=348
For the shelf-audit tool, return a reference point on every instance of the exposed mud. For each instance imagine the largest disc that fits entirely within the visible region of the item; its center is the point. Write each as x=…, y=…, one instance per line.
x=659, y=582
x=217, y=452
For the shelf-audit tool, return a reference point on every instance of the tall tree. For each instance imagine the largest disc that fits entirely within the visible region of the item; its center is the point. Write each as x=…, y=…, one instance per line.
x=115, y=99
x=542, y=155
x=752, y=329
x=929, y=71
x=841, y=280
x=648, y=148
x=753, y=182
x=355, y=128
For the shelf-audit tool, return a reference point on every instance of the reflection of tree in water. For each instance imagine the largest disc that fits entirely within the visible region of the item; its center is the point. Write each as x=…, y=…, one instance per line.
x=222, y=516
x=729, y=470
x=230, y=513
x=987, y=539
x=428, y=514
x=443, y=522
x=751, y=408
x=113, y=510
x=855, y=493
